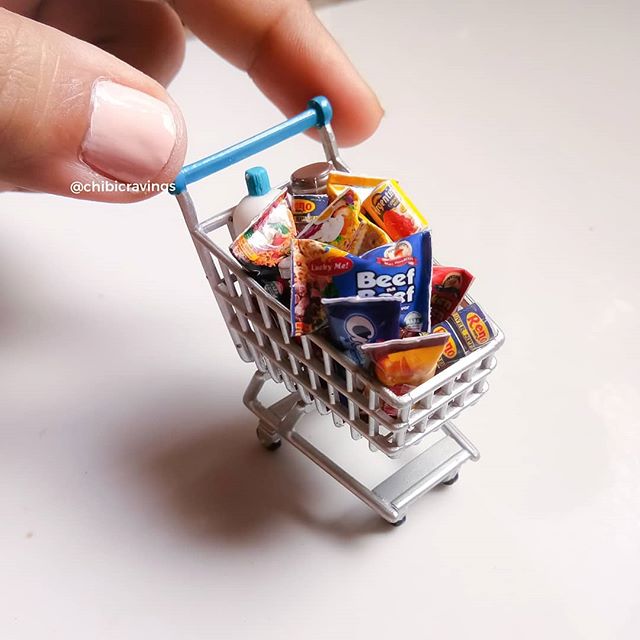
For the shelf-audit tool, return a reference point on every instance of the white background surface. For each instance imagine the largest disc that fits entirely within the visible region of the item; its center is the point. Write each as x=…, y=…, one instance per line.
x=135, y=501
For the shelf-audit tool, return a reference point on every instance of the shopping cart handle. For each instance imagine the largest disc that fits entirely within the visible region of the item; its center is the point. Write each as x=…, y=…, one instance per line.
x=318, y=114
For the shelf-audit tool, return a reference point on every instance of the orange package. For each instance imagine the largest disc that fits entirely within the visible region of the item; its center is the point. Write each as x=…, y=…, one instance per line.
x=407, y=361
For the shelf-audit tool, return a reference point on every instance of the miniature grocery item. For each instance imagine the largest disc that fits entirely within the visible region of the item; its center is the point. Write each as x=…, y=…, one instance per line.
x=389, y=206
x=468, y=330
x=400, y=270
x=367, y=236
x=409, y=361
x=448, y=287
x=260, y=196
x=309, y=192
x=314, y=267
x=337, y=224
x=264, y=244
x=355, y=321
x=472, y=327
x=453, y=348
x=268, y=239
x=340, y=181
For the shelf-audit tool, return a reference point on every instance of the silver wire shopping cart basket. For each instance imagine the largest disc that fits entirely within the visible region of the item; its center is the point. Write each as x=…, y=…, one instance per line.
x=319, y=377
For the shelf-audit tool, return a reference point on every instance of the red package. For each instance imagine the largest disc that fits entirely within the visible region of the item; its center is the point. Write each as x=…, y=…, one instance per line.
x=448, y=286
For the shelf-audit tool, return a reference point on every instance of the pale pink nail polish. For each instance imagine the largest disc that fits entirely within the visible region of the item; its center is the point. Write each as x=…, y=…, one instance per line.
x=131, y=134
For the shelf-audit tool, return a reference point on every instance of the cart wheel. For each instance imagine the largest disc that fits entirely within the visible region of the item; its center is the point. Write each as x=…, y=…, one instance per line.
x=397, y=523
x=451, y=480
x=266, y=441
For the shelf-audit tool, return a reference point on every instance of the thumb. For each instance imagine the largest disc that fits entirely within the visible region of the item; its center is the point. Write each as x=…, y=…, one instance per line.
x=71, y=113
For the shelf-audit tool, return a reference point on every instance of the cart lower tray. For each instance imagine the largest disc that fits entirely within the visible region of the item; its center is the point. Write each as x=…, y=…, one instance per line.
x=438, y=464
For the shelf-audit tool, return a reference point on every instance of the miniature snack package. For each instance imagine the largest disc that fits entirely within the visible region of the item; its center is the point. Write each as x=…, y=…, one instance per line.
x=314, y=267
x=267, y=239
x=337, y=224
x=400, y=270
x=389, y=206
x=448, y=287
x=340, y=181
x=367, y=236
x=410, y=361
x=354, y=321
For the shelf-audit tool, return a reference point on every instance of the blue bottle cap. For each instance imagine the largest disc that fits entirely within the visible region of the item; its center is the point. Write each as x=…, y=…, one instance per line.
x=257, y=180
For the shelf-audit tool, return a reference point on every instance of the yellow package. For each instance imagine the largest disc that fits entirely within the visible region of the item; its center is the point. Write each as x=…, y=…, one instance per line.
x=339, y=181
x=390, y=207
x=367, y=236
x=337, y=224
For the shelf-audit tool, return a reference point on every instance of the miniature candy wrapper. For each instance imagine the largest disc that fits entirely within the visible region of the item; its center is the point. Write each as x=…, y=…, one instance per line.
x=472, y=327
x=453, y=349
x=401, y=270
x=390, y=207
x=267, y=239
x=448, y=287
x=409, y=361
x=337, y=224
x=355, y=321
x=314, y=267
x=340, y=181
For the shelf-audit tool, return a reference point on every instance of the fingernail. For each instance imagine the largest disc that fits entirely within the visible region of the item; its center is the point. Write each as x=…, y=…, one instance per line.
x=131, y=134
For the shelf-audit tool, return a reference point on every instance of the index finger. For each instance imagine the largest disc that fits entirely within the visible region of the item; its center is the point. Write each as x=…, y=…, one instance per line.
x=289, y=55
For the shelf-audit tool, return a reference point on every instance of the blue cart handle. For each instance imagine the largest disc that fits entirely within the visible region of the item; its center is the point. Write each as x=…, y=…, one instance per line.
x=318, y=114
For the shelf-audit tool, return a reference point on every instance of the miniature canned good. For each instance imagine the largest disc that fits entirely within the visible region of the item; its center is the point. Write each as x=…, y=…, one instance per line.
x=472, y=326
x=309, y=192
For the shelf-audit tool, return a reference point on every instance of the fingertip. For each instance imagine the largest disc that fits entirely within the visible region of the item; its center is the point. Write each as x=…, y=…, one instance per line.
x=300, y=59
x=358, y=120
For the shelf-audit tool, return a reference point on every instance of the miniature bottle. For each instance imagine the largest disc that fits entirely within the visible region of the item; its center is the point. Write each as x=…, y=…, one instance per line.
x=260, y=196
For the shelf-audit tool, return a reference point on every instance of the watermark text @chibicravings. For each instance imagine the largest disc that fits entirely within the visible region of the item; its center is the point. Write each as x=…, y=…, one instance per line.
x=107, y=186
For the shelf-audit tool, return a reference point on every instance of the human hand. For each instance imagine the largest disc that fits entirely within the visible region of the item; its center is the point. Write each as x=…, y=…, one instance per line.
x=81, y=83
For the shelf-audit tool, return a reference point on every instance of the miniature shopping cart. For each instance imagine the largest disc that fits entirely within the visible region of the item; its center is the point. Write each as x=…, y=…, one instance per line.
x=317, y=376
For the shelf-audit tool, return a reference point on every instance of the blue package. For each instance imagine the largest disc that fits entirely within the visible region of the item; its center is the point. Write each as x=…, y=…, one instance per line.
x=472, y=326
x=355, y=321
x=400, y=270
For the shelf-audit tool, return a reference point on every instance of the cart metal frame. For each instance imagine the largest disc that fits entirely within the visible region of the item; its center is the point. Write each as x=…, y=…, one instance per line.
x=319, y=377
